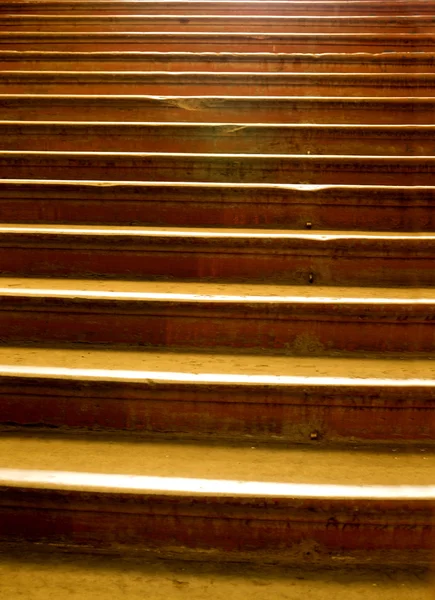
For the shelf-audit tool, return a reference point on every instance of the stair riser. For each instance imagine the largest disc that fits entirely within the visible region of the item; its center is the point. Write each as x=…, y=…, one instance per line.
x=230, y=139
x=225, y=527
x=229, y=63
x=331, y=9
x=218, y=110
x=307, y=414
x=355, y=209
x=344, y=264
x=312, y=44
x=249, y=24
x=314, y=333
x=203, y=168
x=214, y=84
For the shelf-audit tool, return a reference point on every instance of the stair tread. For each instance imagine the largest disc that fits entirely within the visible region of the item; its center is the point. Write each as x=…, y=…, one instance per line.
x=211, y=292
x=30, y=576
x=129, y=364
x=87, y=463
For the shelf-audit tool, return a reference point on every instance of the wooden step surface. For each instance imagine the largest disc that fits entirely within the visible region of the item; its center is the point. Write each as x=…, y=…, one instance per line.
x=304, y=207
x=205, y=42
x=231, y=84
x=364, y=62
x=221, y=7
x=232, y=502
x=297, y=320
x=29, y=572
x=242, y=168
x=419, y=24
x=292, y=257
x=218, y=109
x=415, y=140
x=310, y=400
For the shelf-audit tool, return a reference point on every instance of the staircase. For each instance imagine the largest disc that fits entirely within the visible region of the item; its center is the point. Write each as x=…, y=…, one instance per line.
x=217, y=294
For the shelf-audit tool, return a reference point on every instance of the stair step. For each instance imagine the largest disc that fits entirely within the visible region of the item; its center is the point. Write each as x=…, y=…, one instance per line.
x=242, y=168
x=219, y=396
x=291, y=257
x=44, y=573
x=296, y=320
x=285, y=109
x=218, y=138
x=415, y=24
x=218, y=61
x=236, y=84
x=238, y=7
x=227, y=502
x=369, y=208
x=227, y=42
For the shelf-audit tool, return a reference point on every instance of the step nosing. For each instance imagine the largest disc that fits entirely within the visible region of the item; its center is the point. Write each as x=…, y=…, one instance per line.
x=108, y=483
x=207, y=379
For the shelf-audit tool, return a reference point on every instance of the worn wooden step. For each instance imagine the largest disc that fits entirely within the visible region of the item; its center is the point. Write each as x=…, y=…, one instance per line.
x=289, y=505
x=220, y=7
x=217, y=42
x=26, y=60
x=232, y=84
x=219, y=137
x=415, y=24
x=238, y=317
x=292, y=257
x=218, y=396
x=25, y=568
x=218, y=109
x=369, y=208
x=225, y=168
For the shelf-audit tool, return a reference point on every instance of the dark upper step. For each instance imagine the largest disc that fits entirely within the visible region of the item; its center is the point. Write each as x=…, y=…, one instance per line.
x=219, y=7
x=291, y=257
x=241, y=168
x=369, y=208
x=231, y=138
x=219, y=109
x=233, y=84
x=218, y=61
x=217, y=42
x=418, y=24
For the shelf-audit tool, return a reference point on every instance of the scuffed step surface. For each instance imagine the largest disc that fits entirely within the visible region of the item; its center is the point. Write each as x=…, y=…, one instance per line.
x=135, y=364
x=215, y=396
x=212, y=83
x=208, y=109
x=407, y=24
x=262, y=463
x=30, y=576
x=299, y=207
x=202, y=42
x=218, y=61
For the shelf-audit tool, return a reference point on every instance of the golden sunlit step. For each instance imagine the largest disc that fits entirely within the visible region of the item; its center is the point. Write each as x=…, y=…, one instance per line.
x=404, y=24
x=231, y=84
x=22, y=569
x=218, y=396
x=381, y=208
x=220, y=7
x=261, y=138
x=223, y=168
x=283, y=319
x=292, y=257
x=226, y=42
x=218, y=61
x=248, y=109
x=232, y=502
